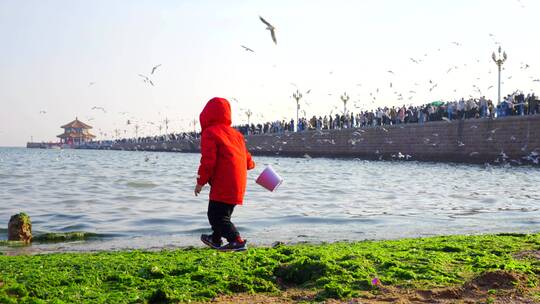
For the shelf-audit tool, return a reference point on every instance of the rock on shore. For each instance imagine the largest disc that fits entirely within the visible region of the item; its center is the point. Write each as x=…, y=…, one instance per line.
x=20, y=228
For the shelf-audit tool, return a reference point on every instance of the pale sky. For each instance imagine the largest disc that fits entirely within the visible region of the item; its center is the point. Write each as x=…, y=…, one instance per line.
x=51, y=51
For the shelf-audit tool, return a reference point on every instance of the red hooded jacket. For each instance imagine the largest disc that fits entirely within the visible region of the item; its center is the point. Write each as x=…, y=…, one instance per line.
x=224, y=157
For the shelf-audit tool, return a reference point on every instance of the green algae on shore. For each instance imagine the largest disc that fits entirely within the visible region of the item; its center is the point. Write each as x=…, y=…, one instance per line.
x=6, y=243
x=52, y=237
x=338, y=270
x=64, y=236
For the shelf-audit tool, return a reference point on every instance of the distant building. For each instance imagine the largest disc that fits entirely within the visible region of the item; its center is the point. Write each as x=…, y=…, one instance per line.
x=76, y=132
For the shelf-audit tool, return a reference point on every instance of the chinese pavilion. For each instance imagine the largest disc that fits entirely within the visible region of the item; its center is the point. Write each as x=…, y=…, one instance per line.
x=76, y=132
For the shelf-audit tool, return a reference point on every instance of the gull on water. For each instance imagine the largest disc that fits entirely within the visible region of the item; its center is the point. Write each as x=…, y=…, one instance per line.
x=271, y=28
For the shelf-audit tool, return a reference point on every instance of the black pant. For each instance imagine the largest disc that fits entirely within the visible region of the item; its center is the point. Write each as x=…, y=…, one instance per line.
x=219, y=216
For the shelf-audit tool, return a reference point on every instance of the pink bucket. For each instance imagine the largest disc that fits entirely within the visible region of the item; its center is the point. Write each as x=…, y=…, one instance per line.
x=269, y=179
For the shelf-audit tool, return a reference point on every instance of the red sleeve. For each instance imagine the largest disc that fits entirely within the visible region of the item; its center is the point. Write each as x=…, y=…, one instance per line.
x=208, y=158
x=250, y=162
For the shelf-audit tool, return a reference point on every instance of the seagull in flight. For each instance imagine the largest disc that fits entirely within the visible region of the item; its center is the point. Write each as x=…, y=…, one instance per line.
x=99, y=108
x=154, y=69
x=146, y=79
x=271, y=28
x=247, y=49
x=42, y=112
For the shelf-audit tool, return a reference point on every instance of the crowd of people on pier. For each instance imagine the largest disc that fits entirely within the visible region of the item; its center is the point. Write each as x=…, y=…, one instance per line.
x=160, y=138
x=512, y=105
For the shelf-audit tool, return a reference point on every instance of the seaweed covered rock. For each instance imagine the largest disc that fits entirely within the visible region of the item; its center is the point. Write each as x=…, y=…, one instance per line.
x=20, y=228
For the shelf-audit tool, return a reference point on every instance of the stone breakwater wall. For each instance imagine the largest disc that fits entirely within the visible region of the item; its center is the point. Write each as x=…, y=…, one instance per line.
x=513, y=139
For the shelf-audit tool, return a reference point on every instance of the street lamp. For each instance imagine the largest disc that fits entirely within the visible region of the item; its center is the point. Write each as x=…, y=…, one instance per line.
x=166, y=125
x=499, y=62
x=297, y=96
x=194, y=122
x=248, y=114
x=344, y=98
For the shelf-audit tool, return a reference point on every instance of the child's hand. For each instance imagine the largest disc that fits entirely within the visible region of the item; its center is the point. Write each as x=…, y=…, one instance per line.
x=198, y=189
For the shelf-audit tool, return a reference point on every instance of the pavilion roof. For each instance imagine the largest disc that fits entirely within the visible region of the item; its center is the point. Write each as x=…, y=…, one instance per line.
x=76, y=135
x=76, y=124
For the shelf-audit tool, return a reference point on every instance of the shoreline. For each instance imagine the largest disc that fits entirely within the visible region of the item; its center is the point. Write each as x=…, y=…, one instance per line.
x=316, y=272
x=81, y=242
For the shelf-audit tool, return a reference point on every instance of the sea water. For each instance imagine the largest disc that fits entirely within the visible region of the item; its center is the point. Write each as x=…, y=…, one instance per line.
x=146, y=200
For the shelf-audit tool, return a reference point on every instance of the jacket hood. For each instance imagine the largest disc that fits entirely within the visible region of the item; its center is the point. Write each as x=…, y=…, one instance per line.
x=217, y=111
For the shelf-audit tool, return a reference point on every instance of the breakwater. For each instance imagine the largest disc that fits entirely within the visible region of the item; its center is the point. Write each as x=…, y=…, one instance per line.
x=514, y=139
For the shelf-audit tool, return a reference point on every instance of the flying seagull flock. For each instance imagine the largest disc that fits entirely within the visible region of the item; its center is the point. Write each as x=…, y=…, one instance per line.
x=147, y=79
x=431, y=85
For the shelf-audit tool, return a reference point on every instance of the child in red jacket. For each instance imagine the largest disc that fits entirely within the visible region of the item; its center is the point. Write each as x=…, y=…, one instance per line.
x=224, y=164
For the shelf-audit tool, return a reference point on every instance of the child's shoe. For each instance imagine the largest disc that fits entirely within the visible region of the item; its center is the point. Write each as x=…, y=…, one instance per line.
x=207, y=239
x=234, y=246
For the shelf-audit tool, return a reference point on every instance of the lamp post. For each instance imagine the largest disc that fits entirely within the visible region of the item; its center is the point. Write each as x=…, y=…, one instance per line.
x=297, y=96
x=194, y=122
x=166, y=125
x=248, y=114
x=499, y=61
x=344, y=98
